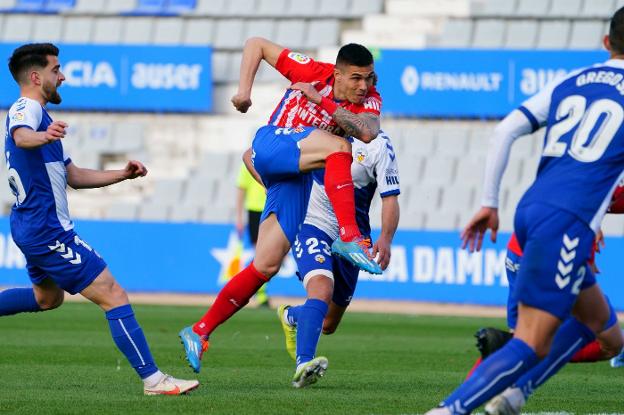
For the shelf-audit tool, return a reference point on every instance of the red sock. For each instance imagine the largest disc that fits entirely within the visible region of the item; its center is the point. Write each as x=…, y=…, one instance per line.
x=340, y=191
x=590, y=353
x=232, y=297
x=474, y=367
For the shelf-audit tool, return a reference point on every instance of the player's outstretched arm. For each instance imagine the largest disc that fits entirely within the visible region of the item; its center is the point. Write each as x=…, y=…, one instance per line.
x=26, y=138
x=364, y=126
x=390, y=213
x=472, y=235
x=80, y=178
x=255, y=50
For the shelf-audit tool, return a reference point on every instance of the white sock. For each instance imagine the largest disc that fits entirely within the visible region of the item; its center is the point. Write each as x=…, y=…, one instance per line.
x=153, y=379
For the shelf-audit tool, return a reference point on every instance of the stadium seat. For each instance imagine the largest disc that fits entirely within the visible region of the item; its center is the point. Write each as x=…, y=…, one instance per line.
x=107, y=30
x=597, y=8
x=259, y=27
x=301, y=8
x=439, y=170
x=456, y=33
x=434, y=8
x=240, y=8
x=565, y=8
x=180, y=6
x=200, y=191
x=128, y=137
x=323, y=32
x=423, y=198
x=121, y=211
x=198, y=32
x=226, y=193
x=184, y=213
x=229, y=34
x=151, y=212
x=137, y=30
x=441, y=221
x=553, y=34
x=29, y=6
x=221, y=66
x=452, y=142
x=618, y=5
x=470, y=171
x=422, y=145
x=613, y=225
x=149, y=7
x=290, y=33
x=210, y=7
x=362, y=8
x=533, y=8
x=118, y=7
x=493, y=8
x=168, y=31
x=586, y=34
x=215, y=214
x=17, y=28
x=270, y=8
x=457, y=197
x=7, y=5
x=333, y=8
x=47, y=28
x=521, y=34
x=59, y=6
x=488, y=33
x=77, y=29
x=88, y=6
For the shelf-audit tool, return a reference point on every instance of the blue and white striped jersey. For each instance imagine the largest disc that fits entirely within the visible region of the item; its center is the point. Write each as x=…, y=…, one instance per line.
x=38, y=179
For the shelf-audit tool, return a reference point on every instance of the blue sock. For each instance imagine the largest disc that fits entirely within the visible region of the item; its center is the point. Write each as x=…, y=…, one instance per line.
x=496, y=372
x=309, y=327
x=293, y=314
x=570, y=338
x=18, y=300
x=129, y=338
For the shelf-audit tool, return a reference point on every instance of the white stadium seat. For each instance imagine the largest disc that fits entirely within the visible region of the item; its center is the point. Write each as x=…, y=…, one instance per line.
x=47, y=29
x=565, y=8
x=488, y=33
x=452, y=142
x=290, y=33
x=269, y=8
x=365, y=7
x=17, y=28
x=77, y=29
x=301, y=8
x=439, y=170
x=597, y=8
x=242, y=8
x=198, y=32
x=137, y=30
x=521, y=34
x=533, y=8
x=152, y=212
x=184, y=213
x=168, y=31
x=586, y=35
x=333, y=8
x=553, y=34
x=456, y=33
x=229, y=34
x=494, y=8
x=323, y=32
x=121, y=211
x=107, y=30
x=261, y=27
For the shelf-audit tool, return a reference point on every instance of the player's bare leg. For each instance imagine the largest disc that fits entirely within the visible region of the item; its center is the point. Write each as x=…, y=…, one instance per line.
x=271, y=248
x=333, y=318
x=129, y=338
x=48, y=295
x=43, y=296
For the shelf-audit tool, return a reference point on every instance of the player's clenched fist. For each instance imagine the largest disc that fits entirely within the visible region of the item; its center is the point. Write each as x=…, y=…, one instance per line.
x=241, y=102
x=55, y=131
x=134, y=169
x=308, y=90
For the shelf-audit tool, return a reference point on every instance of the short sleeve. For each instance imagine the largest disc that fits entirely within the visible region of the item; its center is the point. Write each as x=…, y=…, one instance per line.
x=25, y=113
x=243, y=177
x=66, y=159
x=386, y=168
x=298, y=67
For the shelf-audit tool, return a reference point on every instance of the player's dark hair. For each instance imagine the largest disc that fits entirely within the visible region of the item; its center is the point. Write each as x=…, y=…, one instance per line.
x=29, y=56
x=354, y=54
x=616, y=32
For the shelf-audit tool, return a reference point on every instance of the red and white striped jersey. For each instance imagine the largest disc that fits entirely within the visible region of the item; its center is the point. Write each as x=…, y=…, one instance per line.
x=296, y=110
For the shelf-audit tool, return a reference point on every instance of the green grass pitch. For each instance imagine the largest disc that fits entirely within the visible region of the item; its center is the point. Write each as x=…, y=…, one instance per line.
x=64, y=362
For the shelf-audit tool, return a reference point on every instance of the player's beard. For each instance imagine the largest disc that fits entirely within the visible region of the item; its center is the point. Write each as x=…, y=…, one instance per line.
x=51, y=94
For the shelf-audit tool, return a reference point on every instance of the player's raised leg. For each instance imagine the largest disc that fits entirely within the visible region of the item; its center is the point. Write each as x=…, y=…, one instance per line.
x=129, y=338
x=44, y=295
x=322, y=149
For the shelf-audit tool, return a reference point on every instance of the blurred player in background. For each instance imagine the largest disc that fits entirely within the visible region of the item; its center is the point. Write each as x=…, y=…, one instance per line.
x=250, y=198
x=555, y=224
x=323, y=100
x=330, y=281
x=57, y=259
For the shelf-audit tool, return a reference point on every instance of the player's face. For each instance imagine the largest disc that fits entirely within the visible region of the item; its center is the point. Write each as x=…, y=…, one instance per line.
x=355, y=81
x=52, y=78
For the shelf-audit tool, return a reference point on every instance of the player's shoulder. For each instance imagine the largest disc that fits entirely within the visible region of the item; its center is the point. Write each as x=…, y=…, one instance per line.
x=23, y=106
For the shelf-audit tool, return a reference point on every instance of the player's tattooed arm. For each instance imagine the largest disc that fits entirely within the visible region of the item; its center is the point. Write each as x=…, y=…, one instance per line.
x=364, y=126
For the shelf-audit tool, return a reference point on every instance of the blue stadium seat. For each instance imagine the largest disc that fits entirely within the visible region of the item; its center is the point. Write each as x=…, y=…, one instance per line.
x=180, y=6
x=29, y=6
x=56, y=6
x=149, y=7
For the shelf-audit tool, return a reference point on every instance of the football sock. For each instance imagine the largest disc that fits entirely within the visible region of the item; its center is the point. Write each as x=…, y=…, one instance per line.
x=292, y=314
x=592, y=352
x=340, y=191
x=18, y=300
x=492, y=376
x=309, y=328
x=474, y=367
x=232, y=297
x=130, y=340
x=153, y=379
x=571, y=337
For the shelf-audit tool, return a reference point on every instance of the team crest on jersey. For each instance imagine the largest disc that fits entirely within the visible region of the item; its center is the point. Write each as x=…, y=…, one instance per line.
x=18, y=116
x=361, y=155
x=299, y=57
x=319, y=258
x=298, y=130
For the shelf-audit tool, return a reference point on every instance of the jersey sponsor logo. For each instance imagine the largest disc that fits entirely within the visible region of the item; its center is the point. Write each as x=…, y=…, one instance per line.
x=319, y=258
x=372, y=103
x=392, y=180
x=361, y=155
x=299, y=57
x=18, y=116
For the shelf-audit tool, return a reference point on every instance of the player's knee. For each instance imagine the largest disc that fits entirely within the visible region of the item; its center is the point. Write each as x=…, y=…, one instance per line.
x=52, y=301
x=267, y=269
x=329, y=328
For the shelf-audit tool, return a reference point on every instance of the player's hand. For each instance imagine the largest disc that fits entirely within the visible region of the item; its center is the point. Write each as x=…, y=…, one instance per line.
x=55, y=131
x=241, y=102
x=599, y=242
x=134, y=169
x=381, y=250
x=472, y=235
x=308, y=90
x=239, y=227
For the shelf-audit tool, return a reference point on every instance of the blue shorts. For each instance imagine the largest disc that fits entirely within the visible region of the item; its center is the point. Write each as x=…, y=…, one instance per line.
x=553, y=269
x=71, y=263
x=275, y=157
x=312, y=253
